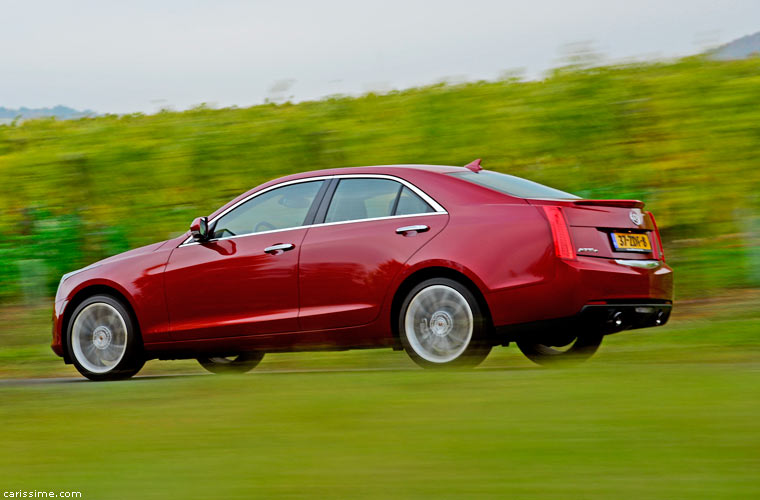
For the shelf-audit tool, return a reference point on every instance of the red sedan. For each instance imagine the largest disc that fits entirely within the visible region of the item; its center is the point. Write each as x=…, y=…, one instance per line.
x=443, y=262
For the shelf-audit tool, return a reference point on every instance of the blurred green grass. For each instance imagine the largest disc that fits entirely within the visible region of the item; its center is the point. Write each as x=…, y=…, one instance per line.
x=669, y=412
x=611, y=429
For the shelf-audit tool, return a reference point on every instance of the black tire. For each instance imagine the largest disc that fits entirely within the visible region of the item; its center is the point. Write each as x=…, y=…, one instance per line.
x=451, y=325
x=131, y=358
x=582, y=348
x=229, y=365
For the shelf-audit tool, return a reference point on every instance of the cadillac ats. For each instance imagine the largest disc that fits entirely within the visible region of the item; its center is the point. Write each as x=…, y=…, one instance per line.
x=442, y=262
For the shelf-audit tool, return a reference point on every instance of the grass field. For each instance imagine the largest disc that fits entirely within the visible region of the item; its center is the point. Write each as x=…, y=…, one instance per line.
x=660, y=413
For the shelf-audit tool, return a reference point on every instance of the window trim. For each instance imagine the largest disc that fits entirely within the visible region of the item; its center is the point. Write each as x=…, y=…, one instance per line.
x=320, y=200
x=398, y=197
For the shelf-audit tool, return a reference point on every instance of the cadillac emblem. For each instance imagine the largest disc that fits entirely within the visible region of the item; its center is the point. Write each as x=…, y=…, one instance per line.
x=636, y=217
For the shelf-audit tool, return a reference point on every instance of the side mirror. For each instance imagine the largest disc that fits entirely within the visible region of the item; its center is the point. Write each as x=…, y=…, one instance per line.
x=199, y=229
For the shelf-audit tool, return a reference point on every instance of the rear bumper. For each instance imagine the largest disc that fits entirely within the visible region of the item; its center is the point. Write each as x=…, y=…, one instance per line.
x=579, y=283
x=616, y=317
x=599, y=279
x=592, y=318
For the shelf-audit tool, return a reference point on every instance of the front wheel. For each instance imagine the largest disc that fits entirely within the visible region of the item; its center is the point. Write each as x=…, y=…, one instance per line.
x=575, y=350
x=441, y=325
x=102, y=341
x=242, y=363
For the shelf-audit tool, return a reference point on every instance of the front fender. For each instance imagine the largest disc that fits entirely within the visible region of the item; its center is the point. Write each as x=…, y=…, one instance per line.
x=139, y=280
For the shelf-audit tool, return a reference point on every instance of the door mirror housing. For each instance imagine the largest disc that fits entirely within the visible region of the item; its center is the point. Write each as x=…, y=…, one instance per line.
x=199, y=229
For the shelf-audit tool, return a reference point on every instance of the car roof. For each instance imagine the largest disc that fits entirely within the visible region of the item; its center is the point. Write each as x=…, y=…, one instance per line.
x=375, y=169
x=396, y=170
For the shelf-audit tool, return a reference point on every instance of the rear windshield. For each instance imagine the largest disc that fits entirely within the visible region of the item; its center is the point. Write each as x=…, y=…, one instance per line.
x=515, y=186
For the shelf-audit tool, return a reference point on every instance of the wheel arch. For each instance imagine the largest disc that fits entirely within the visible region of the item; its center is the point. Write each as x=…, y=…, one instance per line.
x=435, y=271
x=82, y=295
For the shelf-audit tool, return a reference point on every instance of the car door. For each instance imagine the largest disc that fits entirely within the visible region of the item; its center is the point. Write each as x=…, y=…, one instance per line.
x=244, y=280
x=365, y=231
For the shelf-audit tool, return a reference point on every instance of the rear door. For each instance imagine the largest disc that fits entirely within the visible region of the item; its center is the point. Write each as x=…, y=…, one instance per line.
x=365, y=231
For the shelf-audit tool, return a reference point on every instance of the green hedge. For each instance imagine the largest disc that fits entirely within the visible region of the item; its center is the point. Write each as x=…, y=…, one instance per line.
x=683, y=136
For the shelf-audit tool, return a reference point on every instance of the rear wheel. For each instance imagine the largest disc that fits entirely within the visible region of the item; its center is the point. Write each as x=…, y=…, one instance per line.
x=102, y=340
x=573, y=349
x=241, y=363
x=441, y=325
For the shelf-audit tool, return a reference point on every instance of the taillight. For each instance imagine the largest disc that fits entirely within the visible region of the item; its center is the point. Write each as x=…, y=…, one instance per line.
x=657, y=235
x=563, y=244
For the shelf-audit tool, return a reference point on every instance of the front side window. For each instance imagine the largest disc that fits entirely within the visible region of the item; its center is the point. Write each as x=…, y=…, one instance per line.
x=357, y=199
x=280, y=208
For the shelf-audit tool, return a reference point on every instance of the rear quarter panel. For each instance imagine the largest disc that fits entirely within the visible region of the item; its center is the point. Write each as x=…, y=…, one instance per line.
x=502, y=243
x=505, y=249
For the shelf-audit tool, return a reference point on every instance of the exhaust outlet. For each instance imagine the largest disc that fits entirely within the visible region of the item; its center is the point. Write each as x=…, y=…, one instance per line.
x=617, y=318
x=660, y=317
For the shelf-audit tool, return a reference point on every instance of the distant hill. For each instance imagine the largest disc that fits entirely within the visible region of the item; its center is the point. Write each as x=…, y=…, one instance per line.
x=62, y=112
x=741, y=48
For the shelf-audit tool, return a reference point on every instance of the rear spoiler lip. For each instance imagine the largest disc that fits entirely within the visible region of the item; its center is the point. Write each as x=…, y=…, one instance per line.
x=584, y=202
x=612, y=203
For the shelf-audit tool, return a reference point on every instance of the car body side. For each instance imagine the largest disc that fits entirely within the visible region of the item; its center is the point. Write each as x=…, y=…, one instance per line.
x=498, y=245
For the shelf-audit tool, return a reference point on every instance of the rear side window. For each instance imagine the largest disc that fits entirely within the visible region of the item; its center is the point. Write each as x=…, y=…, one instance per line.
x=357, y=199
x=515, y=186
x=409, y=203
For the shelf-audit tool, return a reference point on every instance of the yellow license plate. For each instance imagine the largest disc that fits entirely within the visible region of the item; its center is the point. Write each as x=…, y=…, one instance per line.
x=631, y=242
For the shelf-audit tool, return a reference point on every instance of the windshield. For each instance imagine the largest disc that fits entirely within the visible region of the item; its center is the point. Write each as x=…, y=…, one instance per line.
x=511, y=185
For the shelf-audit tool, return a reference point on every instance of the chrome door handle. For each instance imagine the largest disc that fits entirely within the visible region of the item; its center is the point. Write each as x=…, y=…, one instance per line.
x=408, y=229
x=279, y=247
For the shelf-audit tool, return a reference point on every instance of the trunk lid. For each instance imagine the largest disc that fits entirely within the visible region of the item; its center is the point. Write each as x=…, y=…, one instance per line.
x=592, y=224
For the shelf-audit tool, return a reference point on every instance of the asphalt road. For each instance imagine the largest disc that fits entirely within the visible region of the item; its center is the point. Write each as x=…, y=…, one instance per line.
x=66, y=380
x=69, y=380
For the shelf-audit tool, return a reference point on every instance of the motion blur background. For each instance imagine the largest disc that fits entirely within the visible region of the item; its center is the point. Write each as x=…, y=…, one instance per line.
x=177, y=107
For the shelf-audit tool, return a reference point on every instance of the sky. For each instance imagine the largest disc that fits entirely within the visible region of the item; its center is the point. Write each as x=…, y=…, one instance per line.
x=141, y=56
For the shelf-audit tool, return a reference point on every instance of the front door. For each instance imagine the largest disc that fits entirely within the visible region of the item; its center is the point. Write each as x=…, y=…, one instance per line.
x=244, y=281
